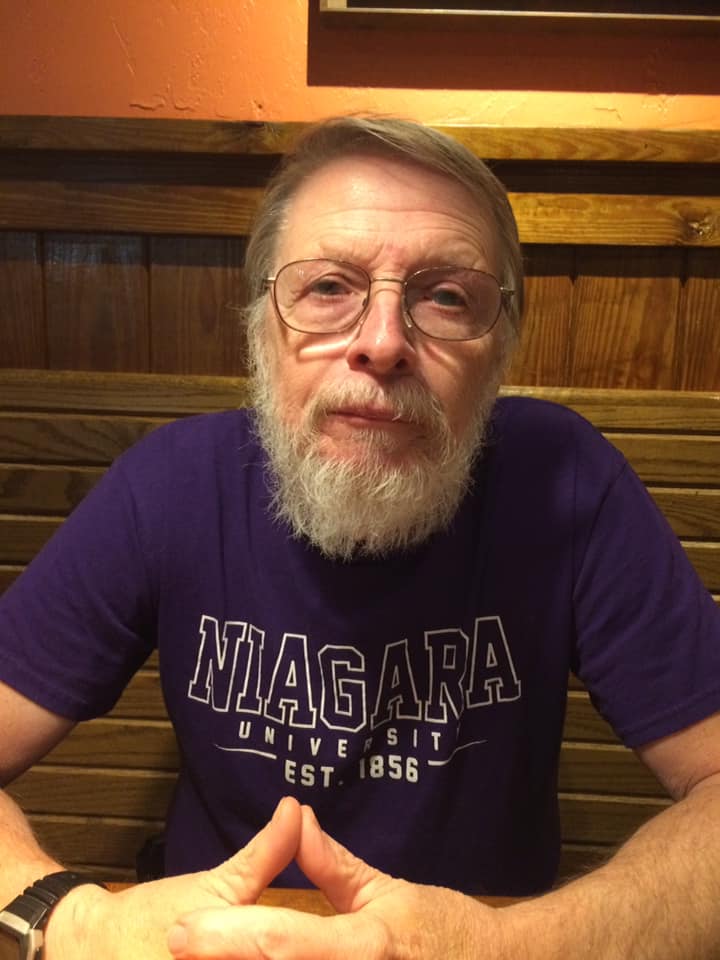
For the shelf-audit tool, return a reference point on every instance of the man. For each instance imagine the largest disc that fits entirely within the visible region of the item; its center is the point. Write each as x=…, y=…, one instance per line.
x=367, y=596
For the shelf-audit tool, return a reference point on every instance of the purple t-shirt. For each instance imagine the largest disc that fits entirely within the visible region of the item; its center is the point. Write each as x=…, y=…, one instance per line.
x=416, y=702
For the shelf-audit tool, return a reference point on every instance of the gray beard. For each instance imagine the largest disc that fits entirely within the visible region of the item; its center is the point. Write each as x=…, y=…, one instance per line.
x=367, y=505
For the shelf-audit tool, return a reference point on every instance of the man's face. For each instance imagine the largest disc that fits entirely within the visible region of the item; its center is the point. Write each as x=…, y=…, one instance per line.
x=391, y=218
x=372, y=433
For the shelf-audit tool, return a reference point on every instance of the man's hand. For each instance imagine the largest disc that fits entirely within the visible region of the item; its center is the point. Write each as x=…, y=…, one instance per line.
x=379, y=918
x=133, y=925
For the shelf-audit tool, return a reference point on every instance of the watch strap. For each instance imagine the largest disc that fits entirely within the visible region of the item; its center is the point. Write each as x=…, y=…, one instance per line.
x=36, y=901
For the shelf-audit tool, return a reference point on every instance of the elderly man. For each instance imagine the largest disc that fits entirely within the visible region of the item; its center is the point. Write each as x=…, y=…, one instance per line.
x=366, y=597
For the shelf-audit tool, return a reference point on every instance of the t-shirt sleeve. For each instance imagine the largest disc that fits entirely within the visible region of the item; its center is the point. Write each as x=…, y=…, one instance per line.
x=79, y=621
x=648, y=631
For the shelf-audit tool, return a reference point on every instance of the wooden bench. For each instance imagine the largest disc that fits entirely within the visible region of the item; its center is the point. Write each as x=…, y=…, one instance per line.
x=98, y=795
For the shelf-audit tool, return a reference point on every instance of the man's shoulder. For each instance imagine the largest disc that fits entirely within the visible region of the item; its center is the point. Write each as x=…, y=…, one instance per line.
x=229, y=429
x=531, y=434
x=529, y=415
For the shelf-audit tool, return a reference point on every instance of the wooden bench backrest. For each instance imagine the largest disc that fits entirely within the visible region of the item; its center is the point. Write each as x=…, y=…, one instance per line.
x=99, y=794
x=122, y=245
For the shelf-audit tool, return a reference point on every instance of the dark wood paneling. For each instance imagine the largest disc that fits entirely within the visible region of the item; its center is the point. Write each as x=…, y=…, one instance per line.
x=586, y=818
x=542, y=357
x=71, y=391
x=119, y=743
x=8, y=574
x=604, y=768
x=44, y=489
x=22, y=537
x=705, y=557
x=196, y=294
x=103, y=841
x=625, y=307
x=96, y=302
x=22, y=325
x=91, y=791
x=698, y=346
x=68, y=439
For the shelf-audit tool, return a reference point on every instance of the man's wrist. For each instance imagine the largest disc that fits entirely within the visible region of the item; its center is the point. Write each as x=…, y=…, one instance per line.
x=72, y=925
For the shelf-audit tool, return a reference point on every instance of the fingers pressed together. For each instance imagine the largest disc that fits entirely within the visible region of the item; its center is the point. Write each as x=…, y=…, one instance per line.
x=250, y=932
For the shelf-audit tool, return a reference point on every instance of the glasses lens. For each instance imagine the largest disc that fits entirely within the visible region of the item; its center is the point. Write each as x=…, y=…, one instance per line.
x=452, y=303
x=320, y=296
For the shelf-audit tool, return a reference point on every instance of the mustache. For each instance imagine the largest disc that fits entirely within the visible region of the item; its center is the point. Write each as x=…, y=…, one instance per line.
x=406, y=400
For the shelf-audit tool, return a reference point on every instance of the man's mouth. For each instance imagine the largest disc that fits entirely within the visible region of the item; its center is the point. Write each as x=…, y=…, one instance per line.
x=372, y=413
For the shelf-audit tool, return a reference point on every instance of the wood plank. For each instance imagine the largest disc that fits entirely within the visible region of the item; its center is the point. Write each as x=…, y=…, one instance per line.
x=140, y=744
x=9, y=574
x=609, y=409
x=197, y=288
x=84, y=791
x=96, y=302
x=21, y=301
x=691, y=513
x=232, y=137
x=139, y=393
x=647, y=410
x=67, y=439
x=38, y=488
x=617, y=220
x=167, y=394
x=209, y=210
x=103, y=841
x=577, y=859
x=698, y=341
x=542, y=355
x=22, y=537
x=625, y=305
x=134, y=208
x=705, y=557
x=605, y=768
x=583, y=722
x=142, y=698
x=586, y=818
x=672, y=459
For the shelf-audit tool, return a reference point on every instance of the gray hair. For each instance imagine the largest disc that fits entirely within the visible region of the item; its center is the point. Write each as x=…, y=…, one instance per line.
x=341, y=137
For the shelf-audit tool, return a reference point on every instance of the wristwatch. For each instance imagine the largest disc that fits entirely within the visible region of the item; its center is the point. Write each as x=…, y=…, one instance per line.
x=22, y=922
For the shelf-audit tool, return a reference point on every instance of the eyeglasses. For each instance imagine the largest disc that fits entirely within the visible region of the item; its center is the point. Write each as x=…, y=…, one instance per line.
x=330, y=296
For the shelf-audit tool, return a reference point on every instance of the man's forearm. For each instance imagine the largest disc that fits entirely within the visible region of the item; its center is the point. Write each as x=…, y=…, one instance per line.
x=656, y=899
x=22, y=861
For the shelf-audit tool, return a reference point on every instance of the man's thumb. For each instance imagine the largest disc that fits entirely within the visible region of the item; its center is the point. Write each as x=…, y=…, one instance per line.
x=245, y=875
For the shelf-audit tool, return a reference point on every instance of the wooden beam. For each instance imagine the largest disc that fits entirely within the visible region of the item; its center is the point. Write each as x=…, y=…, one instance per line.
x=101, y=134
x=200, y=210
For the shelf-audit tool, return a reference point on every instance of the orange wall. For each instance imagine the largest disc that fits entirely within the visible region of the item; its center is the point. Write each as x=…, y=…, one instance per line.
x=262, y=60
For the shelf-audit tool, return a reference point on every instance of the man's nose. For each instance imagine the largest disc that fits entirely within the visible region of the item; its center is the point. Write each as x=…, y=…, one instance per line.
x=383, y=342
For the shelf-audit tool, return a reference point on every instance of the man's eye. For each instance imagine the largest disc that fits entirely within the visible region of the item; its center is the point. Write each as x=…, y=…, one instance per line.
x=448, y=297
x=328, y=287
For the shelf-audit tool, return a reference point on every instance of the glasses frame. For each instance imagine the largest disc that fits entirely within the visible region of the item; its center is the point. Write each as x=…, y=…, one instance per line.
x=269, y=283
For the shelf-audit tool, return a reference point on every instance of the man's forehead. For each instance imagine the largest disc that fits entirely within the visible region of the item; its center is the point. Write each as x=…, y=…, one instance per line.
x=355, y=191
